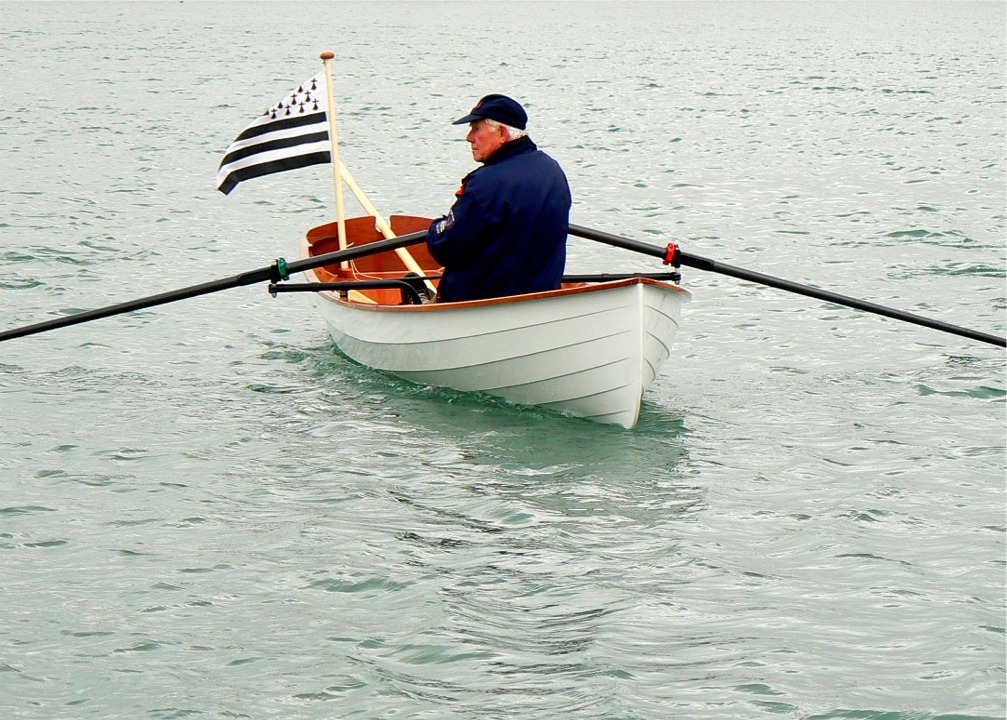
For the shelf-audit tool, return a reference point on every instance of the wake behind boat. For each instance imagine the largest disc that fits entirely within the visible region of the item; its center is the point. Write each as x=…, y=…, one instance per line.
x=589, y=349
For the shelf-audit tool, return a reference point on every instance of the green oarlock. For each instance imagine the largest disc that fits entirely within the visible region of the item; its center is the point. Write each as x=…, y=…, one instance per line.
x=281, y=269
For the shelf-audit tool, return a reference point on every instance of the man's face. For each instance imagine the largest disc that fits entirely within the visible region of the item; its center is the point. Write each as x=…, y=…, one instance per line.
x=484, y=140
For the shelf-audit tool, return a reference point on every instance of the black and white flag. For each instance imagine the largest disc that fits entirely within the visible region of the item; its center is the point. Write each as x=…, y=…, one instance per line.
x=292, y=134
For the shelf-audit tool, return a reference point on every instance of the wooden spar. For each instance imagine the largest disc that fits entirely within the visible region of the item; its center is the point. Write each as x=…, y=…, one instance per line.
x=383, y=226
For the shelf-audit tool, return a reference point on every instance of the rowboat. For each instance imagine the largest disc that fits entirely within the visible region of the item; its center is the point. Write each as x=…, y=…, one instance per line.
x=588, y=349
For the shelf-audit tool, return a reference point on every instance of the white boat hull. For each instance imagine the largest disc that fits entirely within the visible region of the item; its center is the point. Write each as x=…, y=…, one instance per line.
x=588, y=349
x=590, y=353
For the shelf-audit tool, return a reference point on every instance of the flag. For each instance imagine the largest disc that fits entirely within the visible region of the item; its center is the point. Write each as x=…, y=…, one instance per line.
x=292, y=134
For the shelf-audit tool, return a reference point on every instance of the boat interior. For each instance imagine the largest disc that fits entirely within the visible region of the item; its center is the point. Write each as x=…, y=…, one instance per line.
x=381, y=266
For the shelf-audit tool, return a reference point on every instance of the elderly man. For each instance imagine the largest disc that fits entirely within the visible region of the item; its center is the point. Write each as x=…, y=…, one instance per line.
x=506, y=232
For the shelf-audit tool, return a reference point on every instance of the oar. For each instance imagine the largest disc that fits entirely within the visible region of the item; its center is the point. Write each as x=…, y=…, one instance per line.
x=701, y=263
x=279, y=270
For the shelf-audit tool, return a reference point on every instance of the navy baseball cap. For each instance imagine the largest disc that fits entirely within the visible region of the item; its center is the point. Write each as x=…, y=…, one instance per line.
x=497, y=107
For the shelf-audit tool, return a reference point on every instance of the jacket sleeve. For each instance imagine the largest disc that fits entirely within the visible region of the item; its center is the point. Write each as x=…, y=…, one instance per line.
x=456, y=239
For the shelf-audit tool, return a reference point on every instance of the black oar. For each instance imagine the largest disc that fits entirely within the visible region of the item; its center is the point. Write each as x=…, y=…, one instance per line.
x=701, y=263
x=279, y=270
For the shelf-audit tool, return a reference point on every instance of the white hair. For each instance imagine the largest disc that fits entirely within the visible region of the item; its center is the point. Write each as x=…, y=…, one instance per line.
x=513, y=133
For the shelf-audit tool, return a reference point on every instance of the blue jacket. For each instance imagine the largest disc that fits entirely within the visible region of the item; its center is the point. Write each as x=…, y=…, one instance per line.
x=506, y=232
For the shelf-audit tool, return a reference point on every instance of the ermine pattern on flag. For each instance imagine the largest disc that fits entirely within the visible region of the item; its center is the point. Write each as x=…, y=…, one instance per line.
x=294, y=133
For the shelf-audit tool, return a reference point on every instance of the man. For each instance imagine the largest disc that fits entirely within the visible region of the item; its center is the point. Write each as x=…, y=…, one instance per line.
x=506, y=232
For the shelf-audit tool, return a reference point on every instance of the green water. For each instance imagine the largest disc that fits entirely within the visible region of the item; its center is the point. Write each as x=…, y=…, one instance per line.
x=205, y=511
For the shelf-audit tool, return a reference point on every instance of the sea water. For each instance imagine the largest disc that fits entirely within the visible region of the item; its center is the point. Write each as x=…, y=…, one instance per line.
x=206, y=511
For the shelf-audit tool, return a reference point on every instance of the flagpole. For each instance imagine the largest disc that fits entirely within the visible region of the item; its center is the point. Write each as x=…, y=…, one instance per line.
x=340, y=175
x=334, y=141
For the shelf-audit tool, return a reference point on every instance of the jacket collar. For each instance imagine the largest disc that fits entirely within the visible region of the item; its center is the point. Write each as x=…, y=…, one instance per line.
x=510, y=149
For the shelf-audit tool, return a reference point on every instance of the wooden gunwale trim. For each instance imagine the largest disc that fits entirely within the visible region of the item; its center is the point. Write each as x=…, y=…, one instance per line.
x=508, y=300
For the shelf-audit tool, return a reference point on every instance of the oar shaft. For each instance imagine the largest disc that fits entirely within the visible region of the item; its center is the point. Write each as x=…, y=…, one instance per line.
x=701, y=263
x=353, y=253
x=836, y=298
x=617, y=241
x=251, y=277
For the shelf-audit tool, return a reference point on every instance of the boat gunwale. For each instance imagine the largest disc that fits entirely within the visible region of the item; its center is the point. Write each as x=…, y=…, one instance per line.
x=307, y=248
x=506, y=300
